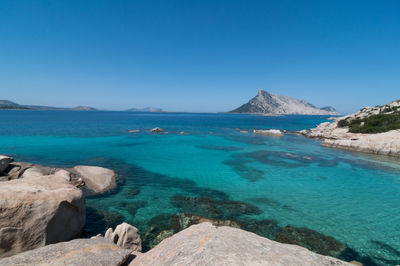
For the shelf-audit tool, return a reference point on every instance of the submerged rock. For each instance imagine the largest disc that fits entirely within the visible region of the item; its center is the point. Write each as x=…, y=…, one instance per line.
x=205, y=244
x=37, y=211
x=88, y=252
x=310, y=239
x=97, y=179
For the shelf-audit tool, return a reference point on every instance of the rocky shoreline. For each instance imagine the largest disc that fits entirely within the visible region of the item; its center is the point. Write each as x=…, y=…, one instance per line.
x=337, y=134
x=43, y=213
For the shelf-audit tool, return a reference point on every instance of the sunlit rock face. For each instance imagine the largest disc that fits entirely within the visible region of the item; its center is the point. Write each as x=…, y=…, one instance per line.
x=267, y=103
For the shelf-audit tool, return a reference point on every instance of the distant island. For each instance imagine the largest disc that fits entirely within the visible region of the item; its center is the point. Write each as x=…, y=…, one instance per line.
x=146, y=109
x=270, y=104
x=9, y=105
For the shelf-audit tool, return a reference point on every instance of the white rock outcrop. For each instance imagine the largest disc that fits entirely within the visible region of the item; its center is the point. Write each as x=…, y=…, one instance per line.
x=125, y=236
x=205, y=244
x=269, y=132
x=38, y=210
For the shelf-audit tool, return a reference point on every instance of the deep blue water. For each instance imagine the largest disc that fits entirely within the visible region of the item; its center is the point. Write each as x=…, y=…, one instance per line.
x=215, y=170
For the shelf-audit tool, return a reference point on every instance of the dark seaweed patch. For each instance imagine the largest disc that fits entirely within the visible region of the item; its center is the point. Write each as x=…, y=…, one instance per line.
x=208, y=207
x=286, y=159
x=350, y=254
x=370, y=165
x=253, y=140
x=272, y=203
x=265, y=228
x=273, y=158
x=310, y=239
x=243, y=170
x=219, y=148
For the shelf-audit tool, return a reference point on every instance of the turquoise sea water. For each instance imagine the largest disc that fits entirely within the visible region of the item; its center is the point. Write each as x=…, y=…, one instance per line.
x=291, y=180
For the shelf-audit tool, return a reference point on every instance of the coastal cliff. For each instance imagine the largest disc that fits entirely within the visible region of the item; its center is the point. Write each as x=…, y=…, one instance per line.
x=372, y=130
x=270, y=104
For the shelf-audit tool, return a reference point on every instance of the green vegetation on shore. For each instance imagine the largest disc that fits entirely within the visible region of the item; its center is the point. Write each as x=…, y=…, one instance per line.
x=377, y=123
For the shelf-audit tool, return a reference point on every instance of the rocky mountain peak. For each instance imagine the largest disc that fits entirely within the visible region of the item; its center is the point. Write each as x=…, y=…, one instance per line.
x=267, y=103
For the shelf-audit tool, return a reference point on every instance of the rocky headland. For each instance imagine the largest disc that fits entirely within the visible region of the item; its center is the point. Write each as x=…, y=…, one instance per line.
x=372, y=130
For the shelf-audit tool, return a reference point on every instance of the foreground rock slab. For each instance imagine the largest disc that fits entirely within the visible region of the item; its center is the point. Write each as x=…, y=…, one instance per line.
x=97, y=179
x=38, y=210
x=205, y=244
x=88, y=252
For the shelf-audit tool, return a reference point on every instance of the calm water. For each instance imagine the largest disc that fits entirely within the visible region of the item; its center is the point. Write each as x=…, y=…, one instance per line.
x=214, y=170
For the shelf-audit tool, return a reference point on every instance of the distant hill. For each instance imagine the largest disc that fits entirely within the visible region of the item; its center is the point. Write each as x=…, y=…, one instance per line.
x=267, y=103
x=146, y=109
x=84, y=108
x=5, y=104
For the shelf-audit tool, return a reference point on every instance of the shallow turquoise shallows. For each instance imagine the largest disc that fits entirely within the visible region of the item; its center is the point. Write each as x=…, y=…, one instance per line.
x=292, y=180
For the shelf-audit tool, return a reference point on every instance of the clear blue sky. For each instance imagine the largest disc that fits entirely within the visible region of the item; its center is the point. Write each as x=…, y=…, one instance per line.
x=199, y=55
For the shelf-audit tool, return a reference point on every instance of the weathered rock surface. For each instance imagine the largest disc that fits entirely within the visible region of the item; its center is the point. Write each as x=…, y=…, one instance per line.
x=387, y=143
x=97, y=179
x=15, y=170
x=88, y=252
x=4, y=162
x=125, y=236
x=205, y=244
x=38, y=210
